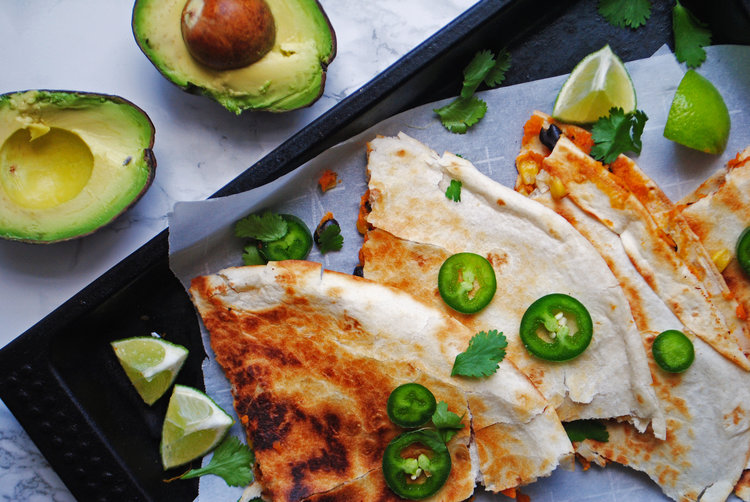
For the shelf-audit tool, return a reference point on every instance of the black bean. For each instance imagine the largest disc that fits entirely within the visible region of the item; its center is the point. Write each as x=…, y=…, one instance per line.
x=549, y=136
x=322, y=226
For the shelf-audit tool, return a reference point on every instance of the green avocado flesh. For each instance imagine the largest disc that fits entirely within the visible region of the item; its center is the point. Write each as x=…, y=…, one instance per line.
x=69, y=163
x=291, y=75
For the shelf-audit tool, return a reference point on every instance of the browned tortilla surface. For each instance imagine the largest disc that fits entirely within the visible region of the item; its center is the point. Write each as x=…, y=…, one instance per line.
x=312, y=357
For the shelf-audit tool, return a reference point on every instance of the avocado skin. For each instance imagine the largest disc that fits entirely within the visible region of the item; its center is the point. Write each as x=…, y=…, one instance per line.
x=236, y=100
x=82, y=100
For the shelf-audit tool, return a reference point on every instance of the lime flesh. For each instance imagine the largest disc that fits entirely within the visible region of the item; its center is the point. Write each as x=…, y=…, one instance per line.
x=150, y=363
x=598, y=83
x=193, y=426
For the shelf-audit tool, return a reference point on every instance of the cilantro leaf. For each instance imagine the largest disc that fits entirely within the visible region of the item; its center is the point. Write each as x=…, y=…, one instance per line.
x=476, y=71
x=232, y=461
x=622, y=13
x=330, y=238
x=467, y=110
x=453, y=192
x=446, y=422
x=461, y=114
x=579, y=430
x=690, y=36
x=251, y=256
x=481, y=359
x=263, y=227
x=496, y=75
x=617, y=133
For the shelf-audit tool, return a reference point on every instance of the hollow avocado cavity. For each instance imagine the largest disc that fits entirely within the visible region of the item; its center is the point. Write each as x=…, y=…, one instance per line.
x=43, y=171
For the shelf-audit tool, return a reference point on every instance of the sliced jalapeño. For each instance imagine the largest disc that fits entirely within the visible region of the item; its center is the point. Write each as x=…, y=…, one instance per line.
x=743, y=251
x=416, y=464
x=556, y=327
x=673, y=351
x=294, y=245
x=411, y=405
x=466, y=282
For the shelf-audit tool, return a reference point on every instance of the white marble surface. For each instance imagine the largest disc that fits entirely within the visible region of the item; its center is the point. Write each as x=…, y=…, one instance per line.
x=88, y=45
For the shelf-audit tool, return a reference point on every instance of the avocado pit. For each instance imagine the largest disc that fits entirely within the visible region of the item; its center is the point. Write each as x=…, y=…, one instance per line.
x=227, y=34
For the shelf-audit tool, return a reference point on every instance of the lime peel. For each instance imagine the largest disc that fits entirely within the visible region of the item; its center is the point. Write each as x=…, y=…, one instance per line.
x=698, y=117
x=598, y=83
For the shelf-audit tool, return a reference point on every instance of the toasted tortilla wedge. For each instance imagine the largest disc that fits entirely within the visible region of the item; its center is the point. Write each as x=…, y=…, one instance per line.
x=312, y=356
x=534, y=252
x=707, y=407
x=718, y=211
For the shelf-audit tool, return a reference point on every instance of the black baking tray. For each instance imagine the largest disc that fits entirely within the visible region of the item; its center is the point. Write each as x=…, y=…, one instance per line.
x=60, y=378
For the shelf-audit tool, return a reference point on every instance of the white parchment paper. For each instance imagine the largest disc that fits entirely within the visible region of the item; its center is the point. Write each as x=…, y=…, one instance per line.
x=201, y=239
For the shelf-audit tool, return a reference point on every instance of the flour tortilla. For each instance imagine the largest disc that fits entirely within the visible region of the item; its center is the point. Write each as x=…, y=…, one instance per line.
x=708, y=423
x=718, y=211
x=534, y=252
x=312, y=356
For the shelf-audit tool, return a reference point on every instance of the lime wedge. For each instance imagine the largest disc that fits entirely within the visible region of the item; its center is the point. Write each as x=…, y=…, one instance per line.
x=194, y=425
x=698, y=117
x=599, y=82
x=150, y=363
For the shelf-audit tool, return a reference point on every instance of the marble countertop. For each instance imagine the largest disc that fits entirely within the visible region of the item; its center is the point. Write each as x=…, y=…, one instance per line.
x=87, y=45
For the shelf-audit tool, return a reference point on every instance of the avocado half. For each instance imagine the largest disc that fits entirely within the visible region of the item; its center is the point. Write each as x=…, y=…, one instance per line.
x=290, y=76
x=70, y=162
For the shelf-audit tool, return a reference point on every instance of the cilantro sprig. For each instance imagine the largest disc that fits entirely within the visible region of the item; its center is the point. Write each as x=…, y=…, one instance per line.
x=453, y=192
x=330, y=238
x=466, y=110
x=690, y=36
x=232, y=461
x=482, y=357
x=446, y=422
x=622, y=13
x=580, y=430
x=617, y=133
x=462, y=113
x=267, y=226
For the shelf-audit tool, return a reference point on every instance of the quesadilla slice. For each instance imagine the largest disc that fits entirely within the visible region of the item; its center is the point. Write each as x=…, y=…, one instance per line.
x=312, y=357
x=706, y=407
x=414, y=227
x=655, y=236
x=718, y=211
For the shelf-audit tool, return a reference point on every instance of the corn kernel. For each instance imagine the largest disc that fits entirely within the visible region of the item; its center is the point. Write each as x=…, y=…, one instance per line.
x=557, y=188
x=721, y=259
x=528, y=169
